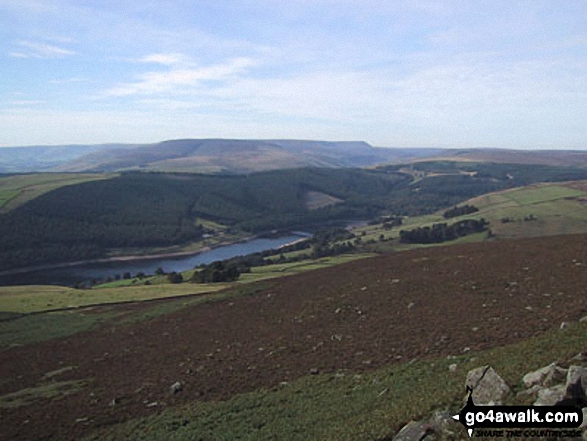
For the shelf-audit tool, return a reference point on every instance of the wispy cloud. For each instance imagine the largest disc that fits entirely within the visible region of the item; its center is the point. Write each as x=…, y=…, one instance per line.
x=180, y=77
x=71, y=80
x=165, y=59
x=32, y=49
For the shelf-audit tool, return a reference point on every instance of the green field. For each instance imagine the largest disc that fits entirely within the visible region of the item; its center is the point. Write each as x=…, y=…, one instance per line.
x=557, y=209
x=286, y=269
x=26, y=299
x=19, y=189
x=344, y=406
x=33, y=298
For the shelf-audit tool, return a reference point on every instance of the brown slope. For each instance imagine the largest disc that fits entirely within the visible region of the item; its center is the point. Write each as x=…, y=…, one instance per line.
x=358, y=316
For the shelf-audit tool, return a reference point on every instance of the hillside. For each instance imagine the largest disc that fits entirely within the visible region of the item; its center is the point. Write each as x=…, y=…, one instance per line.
x=203, y=156
x=137, y=211
x=350, y=330
x=575, y=158
x=16, y=190
x=46, y=158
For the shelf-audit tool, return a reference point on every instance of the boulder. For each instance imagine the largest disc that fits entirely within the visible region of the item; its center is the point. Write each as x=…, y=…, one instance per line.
x=414, y=431
x=552, y=396
x=576, y=385
x=530, y=394
x=546, y=376
x=441, y=424
x=488, y=387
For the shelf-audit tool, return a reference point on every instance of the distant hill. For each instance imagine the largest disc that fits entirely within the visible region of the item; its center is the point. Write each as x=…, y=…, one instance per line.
x=45, y=158
x=575, y=158
x=205, y=156
x=238, y=156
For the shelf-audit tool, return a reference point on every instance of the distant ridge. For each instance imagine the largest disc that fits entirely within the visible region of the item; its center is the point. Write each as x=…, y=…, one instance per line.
x=233, y=156
x=238, y=156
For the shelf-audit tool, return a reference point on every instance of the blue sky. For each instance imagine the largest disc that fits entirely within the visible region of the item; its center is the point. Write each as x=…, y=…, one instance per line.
x=405, y=73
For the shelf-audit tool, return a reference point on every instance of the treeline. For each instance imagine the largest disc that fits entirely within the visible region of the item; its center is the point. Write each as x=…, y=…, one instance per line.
x=442, y=232
x=460, y=211
x=138, y=210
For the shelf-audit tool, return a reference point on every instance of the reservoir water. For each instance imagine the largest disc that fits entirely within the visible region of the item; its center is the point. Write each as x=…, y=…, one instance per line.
x=69, y=276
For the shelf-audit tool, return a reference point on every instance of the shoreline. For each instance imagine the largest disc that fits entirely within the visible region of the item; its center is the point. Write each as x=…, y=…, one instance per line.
x=124, y=258
x=136, y=257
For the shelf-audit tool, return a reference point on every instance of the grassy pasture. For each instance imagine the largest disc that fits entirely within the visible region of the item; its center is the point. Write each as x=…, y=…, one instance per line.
x=27, y=299
x=558, y=210
x=344, y=406
x=285, y=269
x=19, y=189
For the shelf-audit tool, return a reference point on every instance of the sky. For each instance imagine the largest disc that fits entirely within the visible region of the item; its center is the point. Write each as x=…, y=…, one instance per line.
x=409, y=73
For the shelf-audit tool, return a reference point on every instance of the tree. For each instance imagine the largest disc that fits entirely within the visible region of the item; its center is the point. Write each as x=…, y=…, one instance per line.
x=175, y=277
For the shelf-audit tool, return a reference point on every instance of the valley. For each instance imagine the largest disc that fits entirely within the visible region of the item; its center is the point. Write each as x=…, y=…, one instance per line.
x=293, y=221
x=354, y=324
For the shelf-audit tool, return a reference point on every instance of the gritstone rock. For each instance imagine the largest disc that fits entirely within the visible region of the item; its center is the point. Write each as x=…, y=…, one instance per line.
x=488, y=387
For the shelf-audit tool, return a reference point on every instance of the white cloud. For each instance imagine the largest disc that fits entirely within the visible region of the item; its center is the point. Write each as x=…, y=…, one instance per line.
x=166, y=59
x=177, y=78
x=69, y=80
x=31, y=49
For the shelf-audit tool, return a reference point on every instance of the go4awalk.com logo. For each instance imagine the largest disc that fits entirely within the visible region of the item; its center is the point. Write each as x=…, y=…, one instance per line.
x=520, y=421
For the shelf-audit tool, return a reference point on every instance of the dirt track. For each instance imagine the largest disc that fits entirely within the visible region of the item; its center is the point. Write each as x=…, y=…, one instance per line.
x=358, y=316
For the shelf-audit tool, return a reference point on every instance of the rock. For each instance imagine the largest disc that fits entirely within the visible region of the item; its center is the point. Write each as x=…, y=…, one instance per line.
x=552, y=396
x=314, y=371
x=453, y=367
x=488, y=387
x=555, y=377
x=531, y=393
x=576, y=385
x=546, y=376
x=413, y=431
x=175, y=388
x=581, y=357
x=564, y=325
x=441, y=423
